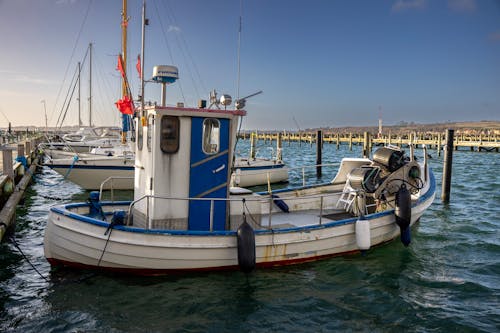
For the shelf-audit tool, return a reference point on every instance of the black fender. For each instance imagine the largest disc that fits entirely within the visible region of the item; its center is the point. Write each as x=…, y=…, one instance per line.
x=246, y=247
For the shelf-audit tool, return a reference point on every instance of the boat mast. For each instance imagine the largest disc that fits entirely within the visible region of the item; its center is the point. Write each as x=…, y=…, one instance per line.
x=124, y=45
x=124, y=58
x=79, y=95
x=144, y=23
x=90, y=85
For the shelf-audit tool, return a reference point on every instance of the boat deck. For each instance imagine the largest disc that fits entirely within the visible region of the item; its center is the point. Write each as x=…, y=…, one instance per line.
x=304, y=218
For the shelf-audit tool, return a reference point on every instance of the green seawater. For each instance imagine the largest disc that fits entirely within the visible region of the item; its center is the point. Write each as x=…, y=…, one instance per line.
x=447, y=280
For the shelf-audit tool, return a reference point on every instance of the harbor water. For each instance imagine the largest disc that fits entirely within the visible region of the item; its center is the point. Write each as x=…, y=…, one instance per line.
x=447, y=280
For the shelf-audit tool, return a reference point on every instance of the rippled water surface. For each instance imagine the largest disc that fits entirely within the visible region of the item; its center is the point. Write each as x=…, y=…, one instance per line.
x=447, y=280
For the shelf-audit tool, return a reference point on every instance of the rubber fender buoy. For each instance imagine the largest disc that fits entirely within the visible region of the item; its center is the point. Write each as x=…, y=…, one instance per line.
x=406, y=236
x=246, y=247
x=280, y=203
x=363, y=237
x=403, y=207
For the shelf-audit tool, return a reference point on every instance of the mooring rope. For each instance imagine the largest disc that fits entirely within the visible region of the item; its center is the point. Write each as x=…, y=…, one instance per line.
x=16, y=245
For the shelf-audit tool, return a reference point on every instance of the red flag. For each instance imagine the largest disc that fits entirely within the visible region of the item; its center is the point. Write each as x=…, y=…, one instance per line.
x=138, y=66
x=120, y=65
x=125, y=105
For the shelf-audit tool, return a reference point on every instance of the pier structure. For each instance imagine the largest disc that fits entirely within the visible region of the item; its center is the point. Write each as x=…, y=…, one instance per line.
x=436, y=140
x=16, y=175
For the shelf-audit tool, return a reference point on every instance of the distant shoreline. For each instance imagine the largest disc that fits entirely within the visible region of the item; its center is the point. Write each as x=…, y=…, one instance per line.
x=468, y=126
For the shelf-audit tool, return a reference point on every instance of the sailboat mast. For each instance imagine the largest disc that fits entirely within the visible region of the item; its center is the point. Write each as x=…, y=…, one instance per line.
x=144, y=23
x=79, y=94
x=90, y=85
x=124, y=46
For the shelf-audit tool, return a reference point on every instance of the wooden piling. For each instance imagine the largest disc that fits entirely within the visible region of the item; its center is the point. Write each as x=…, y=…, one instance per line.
x=319, y=145
x=8, y=165
x=447, y=166
x=366, y=145
x=252, y=145
x=279, y=147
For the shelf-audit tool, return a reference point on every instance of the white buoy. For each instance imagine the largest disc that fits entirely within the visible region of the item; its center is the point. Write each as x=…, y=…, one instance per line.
x=363, y=233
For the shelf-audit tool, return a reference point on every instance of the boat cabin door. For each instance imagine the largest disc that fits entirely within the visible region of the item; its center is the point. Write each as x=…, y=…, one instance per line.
x=209, y=173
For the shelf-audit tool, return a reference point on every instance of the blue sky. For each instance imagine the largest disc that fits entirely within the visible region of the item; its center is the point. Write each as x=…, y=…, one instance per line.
x=318, y=63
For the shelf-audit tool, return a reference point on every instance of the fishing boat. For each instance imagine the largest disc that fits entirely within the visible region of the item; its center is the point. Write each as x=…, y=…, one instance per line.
x=186, y=216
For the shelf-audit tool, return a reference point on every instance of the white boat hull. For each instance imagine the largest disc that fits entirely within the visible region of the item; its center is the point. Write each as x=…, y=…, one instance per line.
x=75, y=240
x=90, y=173
x=258, y=172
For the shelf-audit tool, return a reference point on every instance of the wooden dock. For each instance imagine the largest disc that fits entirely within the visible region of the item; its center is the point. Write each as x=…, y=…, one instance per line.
x=478, y=142
x=15, y=178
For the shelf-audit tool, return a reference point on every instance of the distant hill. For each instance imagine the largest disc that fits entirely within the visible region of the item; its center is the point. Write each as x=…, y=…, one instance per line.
x=486, y=126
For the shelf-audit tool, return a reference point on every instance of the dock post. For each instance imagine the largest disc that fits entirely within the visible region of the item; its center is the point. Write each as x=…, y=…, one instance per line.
x=319, y=145
x=20, y=149
x=252, y=145
x=366, y=145
x=350, y=141
x=447, y=164
x=279, y=147
x=8, y=165
x=439, y=144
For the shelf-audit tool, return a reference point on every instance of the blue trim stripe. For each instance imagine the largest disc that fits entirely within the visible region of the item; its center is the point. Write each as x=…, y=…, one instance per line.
x=90, y=167
x=274, y=166
x=63, y=210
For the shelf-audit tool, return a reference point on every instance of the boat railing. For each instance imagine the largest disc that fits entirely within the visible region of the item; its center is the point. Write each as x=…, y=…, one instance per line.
x=305, y=174
x=111, y=181
x=318, y=202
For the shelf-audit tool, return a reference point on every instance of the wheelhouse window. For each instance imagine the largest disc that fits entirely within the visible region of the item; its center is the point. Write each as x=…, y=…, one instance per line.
x=151, y=122
x=211, y=136
x=169, y=136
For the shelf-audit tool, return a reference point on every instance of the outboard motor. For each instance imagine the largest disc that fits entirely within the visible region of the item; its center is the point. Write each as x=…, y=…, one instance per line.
x=246, y=247
x=403, y=213
x=392, y=159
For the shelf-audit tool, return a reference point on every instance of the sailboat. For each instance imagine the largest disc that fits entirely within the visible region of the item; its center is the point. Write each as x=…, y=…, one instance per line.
x=109, y=160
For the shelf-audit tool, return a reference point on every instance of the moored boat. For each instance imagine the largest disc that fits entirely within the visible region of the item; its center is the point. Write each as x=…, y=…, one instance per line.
x=185, y=215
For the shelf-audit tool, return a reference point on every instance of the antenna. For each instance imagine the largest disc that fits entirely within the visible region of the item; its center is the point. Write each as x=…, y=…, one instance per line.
x=240, y=103
x=239, y=46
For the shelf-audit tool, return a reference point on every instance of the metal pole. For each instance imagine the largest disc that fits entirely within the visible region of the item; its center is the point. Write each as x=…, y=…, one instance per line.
x=447, y=166
x=90, y=85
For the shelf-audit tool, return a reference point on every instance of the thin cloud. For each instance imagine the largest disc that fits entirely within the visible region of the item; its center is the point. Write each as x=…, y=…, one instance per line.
x=494, y=36
x=406, y=5
x=32, y=80
x=65, y=2
x=464, y=6
x=23, y=78
x=173, y=28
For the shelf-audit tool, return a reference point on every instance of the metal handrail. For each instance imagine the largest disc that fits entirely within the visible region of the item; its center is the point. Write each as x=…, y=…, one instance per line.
x=268, y=198
x=110, y=179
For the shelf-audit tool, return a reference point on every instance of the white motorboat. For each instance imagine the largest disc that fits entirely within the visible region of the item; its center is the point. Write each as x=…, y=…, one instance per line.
x=258, y=171
x=185, y=216
x=90, y=170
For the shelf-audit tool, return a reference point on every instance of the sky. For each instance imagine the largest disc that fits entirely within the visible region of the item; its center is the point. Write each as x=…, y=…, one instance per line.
x=319, y=63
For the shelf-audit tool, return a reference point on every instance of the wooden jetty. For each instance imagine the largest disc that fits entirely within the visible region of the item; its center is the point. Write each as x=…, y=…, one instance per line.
x=15, y=179
x=478, y=142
